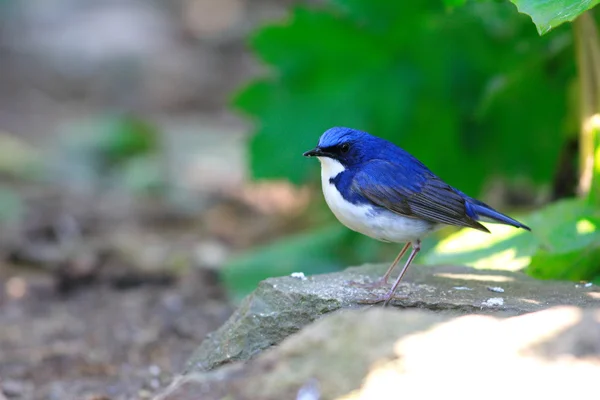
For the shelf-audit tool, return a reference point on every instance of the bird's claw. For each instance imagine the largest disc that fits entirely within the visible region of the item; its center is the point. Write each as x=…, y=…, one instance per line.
x=385, y=299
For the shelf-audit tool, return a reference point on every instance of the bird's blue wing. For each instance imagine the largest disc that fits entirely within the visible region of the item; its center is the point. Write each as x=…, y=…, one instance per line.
x=412, y=191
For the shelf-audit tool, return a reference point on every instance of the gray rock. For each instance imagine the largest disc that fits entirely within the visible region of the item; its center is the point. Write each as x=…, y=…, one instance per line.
x=281, y=306
x=382, y=353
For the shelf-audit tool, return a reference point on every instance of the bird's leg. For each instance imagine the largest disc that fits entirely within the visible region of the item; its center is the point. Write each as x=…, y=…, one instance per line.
x=416, y=246
x=384, y=279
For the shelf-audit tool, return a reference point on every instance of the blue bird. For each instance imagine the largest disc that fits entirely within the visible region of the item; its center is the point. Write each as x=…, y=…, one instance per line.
x=378, y=189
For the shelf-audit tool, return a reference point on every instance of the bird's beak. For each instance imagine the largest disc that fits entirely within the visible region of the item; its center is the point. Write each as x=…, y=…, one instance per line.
x=316, y=152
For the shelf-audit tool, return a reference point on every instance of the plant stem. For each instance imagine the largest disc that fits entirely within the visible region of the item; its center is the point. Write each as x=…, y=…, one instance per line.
x=587, y=46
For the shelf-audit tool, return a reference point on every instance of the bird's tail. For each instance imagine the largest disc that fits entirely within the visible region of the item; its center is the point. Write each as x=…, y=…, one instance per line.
x=482, y=212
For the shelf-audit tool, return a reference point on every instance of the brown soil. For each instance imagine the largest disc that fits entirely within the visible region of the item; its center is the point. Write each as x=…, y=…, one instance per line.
x=99, y=342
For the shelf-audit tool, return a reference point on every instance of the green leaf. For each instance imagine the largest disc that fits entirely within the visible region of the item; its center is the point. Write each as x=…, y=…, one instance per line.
x=564, y=244
x=505, y=248
x=509, y=248
x=570, y=251
x=574, y=234
x=580, y=264
x=548, y=14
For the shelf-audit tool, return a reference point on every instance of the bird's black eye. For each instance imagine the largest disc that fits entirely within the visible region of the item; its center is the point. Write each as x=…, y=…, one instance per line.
x=344, y=148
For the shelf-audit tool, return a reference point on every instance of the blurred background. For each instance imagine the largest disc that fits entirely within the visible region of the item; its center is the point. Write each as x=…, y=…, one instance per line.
x=151, y=171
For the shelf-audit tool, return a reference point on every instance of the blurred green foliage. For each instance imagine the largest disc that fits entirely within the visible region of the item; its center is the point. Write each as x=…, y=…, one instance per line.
x=566, y=240
x=314, y=252
x=563, y=244
x=470, y=88
x=120, y=150
x=11, y=205
x=477, y=84
x=125, y=137
x=18, y=160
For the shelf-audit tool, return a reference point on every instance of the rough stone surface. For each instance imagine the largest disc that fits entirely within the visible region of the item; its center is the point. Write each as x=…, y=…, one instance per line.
x=282, y=306
x=386, y=354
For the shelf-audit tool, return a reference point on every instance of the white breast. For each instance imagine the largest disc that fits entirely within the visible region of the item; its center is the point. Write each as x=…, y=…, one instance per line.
x=382, y=225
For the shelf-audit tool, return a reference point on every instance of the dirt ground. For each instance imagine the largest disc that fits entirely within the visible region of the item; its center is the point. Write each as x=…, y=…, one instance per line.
x=99, y=313
x=104, y=300
x=100, y=342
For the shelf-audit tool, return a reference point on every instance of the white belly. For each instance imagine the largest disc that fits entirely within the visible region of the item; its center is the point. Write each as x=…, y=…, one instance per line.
x=378, y=224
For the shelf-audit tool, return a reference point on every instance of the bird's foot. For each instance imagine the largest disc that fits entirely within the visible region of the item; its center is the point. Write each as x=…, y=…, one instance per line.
x=385, y=299
x=370, y=285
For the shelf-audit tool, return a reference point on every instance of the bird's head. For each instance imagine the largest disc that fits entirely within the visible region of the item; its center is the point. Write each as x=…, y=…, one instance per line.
x=346, y=146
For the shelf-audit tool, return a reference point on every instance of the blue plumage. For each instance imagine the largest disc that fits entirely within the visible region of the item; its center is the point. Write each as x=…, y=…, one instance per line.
x=378, y=189
x=379, y=173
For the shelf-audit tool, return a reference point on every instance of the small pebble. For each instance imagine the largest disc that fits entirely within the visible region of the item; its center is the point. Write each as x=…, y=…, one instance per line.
x=211, y=254
x=309, y=391
x=298, y=275
x=493, y=302
x=173, y=302
x=155, y=384
x=496, y=289
x=461, y=288
x=585, y=285
x=12, y=388
x=154, y=370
